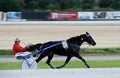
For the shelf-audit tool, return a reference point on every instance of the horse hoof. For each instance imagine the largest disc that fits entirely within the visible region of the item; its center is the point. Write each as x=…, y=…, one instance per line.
x=58, y=67
x=54, y=67
x=88, y=67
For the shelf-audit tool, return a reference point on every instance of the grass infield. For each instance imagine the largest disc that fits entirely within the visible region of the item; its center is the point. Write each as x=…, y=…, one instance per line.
x=71, y=64
x=89, y=51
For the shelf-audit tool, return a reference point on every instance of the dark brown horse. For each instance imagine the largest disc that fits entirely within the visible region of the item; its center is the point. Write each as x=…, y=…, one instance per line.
x=73, y=49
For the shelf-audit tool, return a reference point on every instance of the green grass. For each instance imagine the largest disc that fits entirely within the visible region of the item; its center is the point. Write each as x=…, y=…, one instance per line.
x=89, y=51
x=101, y=51
x=71, y=64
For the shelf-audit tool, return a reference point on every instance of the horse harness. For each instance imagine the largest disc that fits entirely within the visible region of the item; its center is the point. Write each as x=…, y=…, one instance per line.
x=64, y=44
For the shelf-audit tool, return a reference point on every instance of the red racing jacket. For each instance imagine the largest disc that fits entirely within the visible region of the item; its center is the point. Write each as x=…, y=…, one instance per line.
x=18, y=48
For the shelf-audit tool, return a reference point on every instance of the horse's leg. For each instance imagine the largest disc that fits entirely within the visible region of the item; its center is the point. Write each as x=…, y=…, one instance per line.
x=40, y=57
x=49, y=60
x=78, y=56
x=66, y=62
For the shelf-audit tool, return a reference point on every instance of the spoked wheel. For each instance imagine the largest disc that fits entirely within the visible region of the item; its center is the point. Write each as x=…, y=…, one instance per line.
x=29, y=64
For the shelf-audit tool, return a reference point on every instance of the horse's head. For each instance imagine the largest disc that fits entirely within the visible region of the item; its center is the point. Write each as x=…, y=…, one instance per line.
x=88, y=38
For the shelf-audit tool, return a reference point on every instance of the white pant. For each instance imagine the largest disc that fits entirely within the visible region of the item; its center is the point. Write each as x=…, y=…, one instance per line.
x=21, y=55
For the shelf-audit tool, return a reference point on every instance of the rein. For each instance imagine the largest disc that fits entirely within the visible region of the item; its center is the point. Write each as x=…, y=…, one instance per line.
x=41, y=50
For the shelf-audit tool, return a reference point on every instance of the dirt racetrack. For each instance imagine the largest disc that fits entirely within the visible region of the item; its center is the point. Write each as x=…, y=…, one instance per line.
x=105, y=36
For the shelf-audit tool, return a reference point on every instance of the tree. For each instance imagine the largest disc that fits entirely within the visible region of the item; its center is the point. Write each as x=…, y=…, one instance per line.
x=87, y=4
x=116, y=5
x=32, y=5
x=58, y=5
x=105, y=3
x=11, y=5
x=43, y=4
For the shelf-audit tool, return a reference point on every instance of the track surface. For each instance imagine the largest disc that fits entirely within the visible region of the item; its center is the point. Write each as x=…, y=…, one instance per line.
x=63, y=73
x=105, y=36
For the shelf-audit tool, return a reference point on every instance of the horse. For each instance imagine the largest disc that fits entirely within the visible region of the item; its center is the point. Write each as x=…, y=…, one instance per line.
x=72, y=50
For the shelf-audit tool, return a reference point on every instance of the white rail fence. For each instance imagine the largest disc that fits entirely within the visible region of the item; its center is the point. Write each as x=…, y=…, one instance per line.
x=68, y=23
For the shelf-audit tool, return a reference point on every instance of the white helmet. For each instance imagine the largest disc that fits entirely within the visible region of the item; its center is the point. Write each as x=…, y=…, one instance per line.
x=17, y=39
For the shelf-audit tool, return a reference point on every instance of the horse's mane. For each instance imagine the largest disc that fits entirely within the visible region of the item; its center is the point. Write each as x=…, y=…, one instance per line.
x=74, y=38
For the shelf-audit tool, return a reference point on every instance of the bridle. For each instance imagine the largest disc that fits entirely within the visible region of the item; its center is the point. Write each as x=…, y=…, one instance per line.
x=88, y=36
x=84, y=49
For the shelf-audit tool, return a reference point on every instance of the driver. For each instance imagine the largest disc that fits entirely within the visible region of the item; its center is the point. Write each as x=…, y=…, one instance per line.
x=18, y=50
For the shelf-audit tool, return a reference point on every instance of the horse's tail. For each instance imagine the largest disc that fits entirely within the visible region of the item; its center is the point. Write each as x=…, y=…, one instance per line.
x=38, y=46
x=34, y=47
